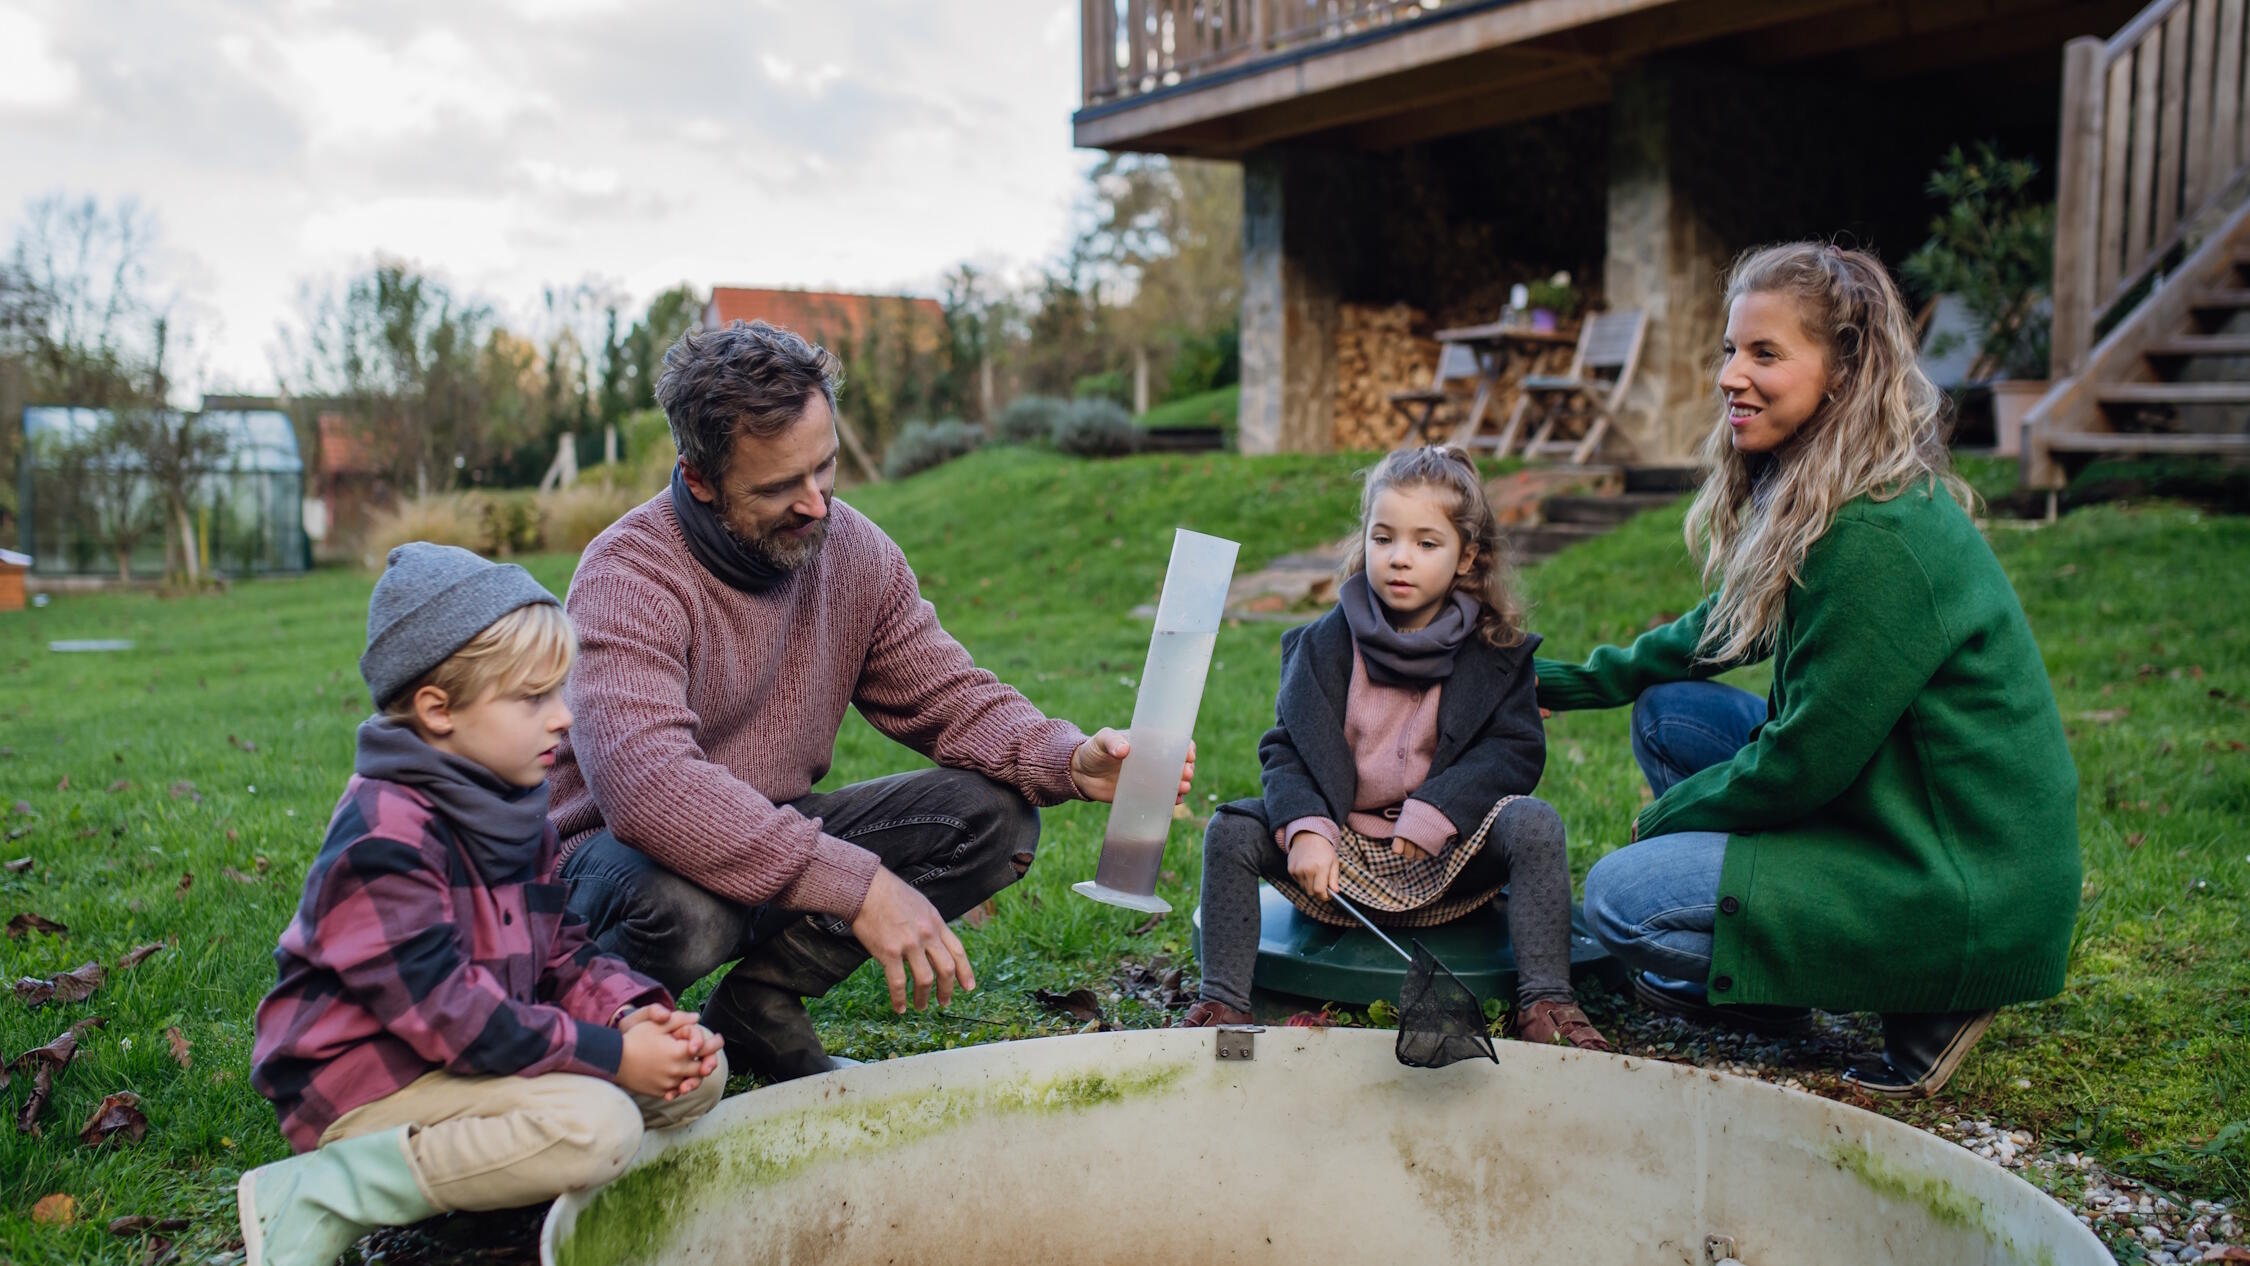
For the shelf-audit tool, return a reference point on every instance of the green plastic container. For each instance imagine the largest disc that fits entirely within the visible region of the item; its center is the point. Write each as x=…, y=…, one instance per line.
x=1305, y=958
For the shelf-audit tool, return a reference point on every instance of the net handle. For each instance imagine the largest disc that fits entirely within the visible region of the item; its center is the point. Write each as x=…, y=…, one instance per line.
x=1369, y=924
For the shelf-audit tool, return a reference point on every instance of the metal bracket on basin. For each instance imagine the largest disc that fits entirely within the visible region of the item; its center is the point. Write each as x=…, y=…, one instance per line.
x=1237, y=1041
x=1718, y=1250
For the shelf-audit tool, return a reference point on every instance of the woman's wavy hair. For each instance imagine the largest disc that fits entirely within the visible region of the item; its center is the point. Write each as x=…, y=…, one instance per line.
x=1452, y=474
x=1881, y=430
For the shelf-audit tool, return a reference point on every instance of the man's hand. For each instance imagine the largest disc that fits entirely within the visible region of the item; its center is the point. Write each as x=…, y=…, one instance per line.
x=1313, y=864
x=905, y=933
x=1094, y=766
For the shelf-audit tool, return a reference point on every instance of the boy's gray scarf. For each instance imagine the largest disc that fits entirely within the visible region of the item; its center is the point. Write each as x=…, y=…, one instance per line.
x=500, y=826
x=1405, y=659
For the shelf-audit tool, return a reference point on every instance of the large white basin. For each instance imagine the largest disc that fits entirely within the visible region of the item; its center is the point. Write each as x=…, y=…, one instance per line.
x=1145, y=1148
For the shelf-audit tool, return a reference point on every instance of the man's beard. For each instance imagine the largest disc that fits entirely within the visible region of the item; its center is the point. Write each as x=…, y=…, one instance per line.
x=774, y=549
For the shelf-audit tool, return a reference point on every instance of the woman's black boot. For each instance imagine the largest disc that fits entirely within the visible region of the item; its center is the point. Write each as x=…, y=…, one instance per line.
x=1921, y=1050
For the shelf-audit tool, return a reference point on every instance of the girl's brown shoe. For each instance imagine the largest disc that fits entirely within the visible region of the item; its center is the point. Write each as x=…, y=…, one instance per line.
x=1209, y=1013
x=1551, y=1023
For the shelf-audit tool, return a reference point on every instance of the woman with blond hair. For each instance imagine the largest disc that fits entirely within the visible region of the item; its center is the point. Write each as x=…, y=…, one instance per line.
x=1894, y=828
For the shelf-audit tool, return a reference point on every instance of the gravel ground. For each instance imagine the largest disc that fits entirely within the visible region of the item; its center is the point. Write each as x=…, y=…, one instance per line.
x=2137, y=1222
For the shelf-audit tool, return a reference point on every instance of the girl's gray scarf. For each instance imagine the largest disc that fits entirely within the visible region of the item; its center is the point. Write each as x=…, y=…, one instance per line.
x=499, y=825
x=1405, y=659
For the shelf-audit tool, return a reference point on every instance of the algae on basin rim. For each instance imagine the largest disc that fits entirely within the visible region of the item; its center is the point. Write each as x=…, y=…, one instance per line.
x=633, y=1218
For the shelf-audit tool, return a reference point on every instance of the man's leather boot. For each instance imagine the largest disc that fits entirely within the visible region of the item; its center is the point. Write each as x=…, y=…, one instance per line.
x=759, y=1007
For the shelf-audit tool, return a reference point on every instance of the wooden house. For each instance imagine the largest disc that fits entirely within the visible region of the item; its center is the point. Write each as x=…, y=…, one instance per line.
x=1430, y=152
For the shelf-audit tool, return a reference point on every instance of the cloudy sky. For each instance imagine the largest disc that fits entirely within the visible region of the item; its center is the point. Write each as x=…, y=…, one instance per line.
x=509, y=144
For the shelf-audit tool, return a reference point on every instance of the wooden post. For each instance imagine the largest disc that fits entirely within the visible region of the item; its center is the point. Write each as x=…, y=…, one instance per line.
x=2201, y=52
x=2171, y=110
x=2078, y=191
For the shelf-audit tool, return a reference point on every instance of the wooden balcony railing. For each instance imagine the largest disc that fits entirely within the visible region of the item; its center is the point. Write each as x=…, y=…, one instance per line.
x=2154, y=130
x=1137, y=46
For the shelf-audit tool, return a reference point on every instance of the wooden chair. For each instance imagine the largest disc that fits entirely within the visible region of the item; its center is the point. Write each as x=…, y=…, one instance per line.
x=1457, y=363
x=1586, y=398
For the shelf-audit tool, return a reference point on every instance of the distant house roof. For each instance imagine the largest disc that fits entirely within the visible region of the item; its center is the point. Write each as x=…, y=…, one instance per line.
x=258, y=441
x=825, y=317
x=342, y=450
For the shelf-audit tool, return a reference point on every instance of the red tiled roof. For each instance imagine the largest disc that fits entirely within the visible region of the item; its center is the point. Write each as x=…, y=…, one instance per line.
x=834, y=320
x=343, y=451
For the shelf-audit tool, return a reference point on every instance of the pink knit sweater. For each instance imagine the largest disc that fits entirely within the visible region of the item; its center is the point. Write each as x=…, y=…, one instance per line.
x=701, y=709
x=1392, y=733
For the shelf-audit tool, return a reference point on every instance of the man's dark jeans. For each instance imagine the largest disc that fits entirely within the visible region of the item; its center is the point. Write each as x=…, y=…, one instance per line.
x=957, y=836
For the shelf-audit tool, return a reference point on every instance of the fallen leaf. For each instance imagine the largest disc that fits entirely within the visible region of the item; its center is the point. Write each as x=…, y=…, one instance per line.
x=64, y=785
x=1150, y=926
x=2231, y=1253
x=1311, y=1020
x=187, y=881
x=260, y=863
x=2134, y=840
x=135, y=956
x=161, y=1252
x=30, y=922
x=183, y=789
x=117, y=1114
x=23, y=808
x=975, y=918
x=2105, y=716
x=19, y=866
x=237, y=876
x=242, y=744
x=55, y=1210
x=46, y=1063
x=231, y=836
x=1079, y=1003
x=122, y=784
x=180, y=1047
x=75, y=985
x=18, y=833
x=134, y=1224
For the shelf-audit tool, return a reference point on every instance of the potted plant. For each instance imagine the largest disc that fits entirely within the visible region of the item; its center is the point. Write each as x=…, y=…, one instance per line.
x=1993, y=245
x=1551, y=300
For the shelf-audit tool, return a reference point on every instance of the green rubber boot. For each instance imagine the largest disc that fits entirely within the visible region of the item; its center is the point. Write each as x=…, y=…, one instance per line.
x=307, y=1210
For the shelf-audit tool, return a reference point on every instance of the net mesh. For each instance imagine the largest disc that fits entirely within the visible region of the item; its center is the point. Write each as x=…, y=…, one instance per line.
x=1440, y=1021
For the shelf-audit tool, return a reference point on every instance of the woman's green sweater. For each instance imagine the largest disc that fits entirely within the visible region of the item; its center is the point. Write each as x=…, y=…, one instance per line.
x=1903, y=830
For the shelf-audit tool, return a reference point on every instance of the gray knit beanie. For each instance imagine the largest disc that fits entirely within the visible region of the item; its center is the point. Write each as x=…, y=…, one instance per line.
x=431, y=601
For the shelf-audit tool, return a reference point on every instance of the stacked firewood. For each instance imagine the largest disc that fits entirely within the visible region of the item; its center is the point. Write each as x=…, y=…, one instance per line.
x=1379, y=350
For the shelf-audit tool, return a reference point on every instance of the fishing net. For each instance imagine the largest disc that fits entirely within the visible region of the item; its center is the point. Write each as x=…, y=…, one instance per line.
x=1440, y=1021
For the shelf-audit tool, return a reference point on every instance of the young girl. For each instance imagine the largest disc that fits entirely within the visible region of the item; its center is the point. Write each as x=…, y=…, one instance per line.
x=1894, y=829
x=1401, y=770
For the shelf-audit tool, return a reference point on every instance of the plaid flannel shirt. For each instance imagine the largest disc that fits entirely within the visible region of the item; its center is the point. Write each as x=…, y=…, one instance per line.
x=402, y=960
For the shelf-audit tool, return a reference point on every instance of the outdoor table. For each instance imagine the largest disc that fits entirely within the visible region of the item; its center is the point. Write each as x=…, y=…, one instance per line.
x=1495, y=345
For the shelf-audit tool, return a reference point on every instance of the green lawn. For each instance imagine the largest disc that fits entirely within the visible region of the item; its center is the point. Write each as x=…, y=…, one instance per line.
x=216, y=748
x=1209, y=408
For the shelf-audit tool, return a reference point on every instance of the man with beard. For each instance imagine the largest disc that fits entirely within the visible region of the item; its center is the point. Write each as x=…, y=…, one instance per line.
x=724, y=627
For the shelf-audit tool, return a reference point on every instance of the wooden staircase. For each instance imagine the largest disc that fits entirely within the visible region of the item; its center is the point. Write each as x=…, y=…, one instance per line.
x=2152, y=236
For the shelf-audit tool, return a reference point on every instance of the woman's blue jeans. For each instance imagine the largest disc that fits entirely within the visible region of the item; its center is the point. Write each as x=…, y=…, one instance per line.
x=1653, y=903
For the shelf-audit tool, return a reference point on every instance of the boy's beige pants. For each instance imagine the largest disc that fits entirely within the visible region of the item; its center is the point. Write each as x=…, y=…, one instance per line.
x=501, y=1142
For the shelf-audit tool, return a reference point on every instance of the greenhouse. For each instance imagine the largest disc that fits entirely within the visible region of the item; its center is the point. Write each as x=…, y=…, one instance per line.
x=86, y=505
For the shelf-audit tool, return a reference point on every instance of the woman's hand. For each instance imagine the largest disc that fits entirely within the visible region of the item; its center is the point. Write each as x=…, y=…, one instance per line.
x=1313, y=864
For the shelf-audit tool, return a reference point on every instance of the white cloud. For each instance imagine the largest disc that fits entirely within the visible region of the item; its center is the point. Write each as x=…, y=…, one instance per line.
x=33, y=76
x=864, y=146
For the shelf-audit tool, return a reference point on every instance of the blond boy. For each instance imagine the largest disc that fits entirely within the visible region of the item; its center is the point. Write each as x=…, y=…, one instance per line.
x=442, y=1035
